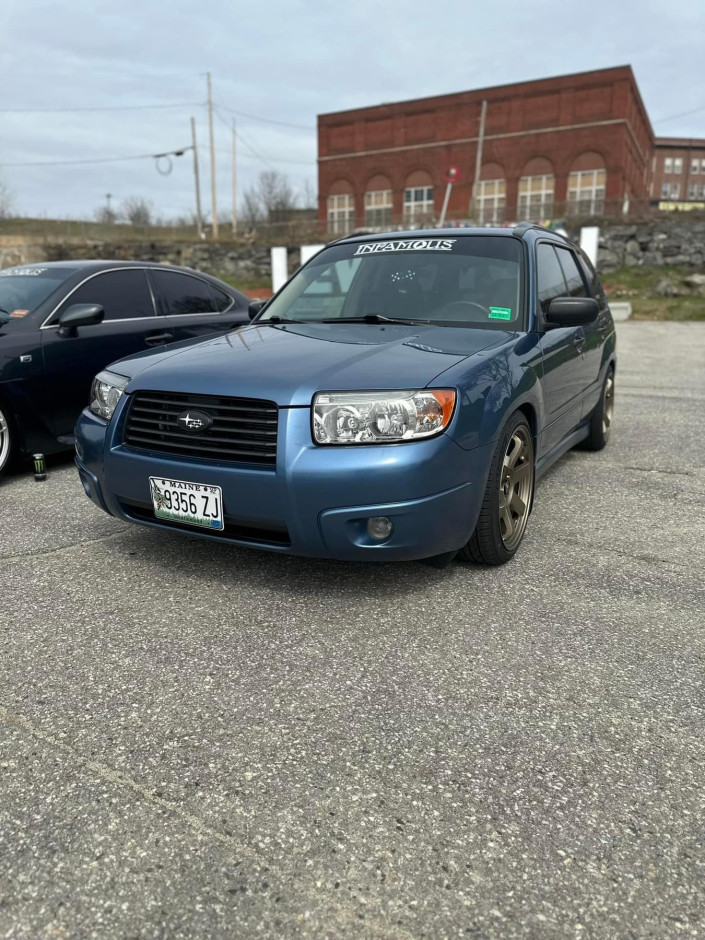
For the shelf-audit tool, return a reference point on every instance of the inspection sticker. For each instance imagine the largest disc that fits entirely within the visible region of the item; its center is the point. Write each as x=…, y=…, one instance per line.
x=500, y=313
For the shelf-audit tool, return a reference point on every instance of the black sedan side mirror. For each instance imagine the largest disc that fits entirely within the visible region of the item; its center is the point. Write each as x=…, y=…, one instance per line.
x=572, y=311
x=80, y=315
x=255, y=307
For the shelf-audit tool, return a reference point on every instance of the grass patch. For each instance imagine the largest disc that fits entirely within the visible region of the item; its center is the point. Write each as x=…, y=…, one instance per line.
x=638, y=286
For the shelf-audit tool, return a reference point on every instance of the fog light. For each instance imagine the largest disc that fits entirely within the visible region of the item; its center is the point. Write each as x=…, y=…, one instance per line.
x=379, y=528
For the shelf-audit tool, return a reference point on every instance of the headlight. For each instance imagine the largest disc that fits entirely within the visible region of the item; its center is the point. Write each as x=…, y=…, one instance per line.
x=381, y=417
x=106, y=390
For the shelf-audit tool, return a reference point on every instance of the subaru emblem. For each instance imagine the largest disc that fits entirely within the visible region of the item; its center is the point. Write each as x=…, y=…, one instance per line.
x=194, y=420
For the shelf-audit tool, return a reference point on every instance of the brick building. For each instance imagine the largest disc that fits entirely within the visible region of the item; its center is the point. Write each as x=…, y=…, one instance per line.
x=678, y=173
x=580, y=144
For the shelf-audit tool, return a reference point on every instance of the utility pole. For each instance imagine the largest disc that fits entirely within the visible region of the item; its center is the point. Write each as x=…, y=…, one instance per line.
x=197, y=180
x=234, y=179
x=214, y=201
x=478, y=158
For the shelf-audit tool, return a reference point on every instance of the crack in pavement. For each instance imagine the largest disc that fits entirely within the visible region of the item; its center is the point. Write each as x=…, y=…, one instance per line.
x=346, y=912
x=623, y=554
x=64, y=548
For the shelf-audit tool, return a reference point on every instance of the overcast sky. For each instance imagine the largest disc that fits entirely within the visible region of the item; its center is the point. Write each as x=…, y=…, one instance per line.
x=288, y=60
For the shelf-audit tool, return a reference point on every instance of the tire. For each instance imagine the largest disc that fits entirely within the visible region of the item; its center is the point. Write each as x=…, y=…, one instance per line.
x=7, y=443
x=508, y=496
x=602, y=416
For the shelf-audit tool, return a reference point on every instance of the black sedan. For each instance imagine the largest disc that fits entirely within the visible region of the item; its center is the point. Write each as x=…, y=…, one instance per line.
x=62, y=322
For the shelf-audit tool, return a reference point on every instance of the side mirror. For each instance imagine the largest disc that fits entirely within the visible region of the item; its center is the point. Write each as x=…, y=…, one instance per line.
x=4, y=317
x=255, y=307
x=572, y=311
x=80, y=315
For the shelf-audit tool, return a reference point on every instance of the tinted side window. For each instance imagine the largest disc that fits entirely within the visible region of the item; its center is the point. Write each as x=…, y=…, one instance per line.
x=574, y=279
x=221, y=300
x=182, y=293
x=123, y=294
x=594, y=282
x=550, y=276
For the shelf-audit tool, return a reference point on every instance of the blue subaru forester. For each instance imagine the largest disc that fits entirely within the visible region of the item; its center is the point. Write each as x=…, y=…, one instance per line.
x=395, y=400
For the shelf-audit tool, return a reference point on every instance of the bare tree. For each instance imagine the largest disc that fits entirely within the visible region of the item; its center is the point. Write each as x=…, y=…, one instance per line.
x=309, y=197
x=138, y=211
x=105, y=215
x=6, y=202
x=270, y=199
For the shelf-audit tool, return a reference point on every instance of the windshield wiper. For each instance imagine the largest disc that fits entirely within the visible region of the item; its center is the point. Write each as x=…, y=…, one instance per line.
x=282, y=320
x=372, y=318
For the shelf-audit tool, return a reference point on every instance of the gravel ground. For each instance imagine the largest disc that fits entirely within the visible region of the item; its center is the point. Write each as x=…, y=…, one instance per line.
x=201, y=741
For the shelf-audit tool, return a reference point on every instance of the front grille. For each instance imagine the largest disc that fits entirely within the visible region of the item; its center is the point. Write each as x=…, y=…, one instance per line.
x=244, y=430
x=234, y=528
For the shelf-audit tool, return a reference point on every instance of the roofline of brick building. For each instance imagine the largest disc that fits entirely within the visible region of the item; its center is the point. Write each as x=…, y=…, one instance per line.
x=684, y=143
x=491, y=92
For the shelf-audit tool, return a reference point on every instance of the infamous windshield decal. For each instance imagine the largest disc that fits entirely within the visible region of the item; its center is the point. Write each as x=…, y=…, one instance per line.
x=419, y=244
x=22, y=272
x=500, y=313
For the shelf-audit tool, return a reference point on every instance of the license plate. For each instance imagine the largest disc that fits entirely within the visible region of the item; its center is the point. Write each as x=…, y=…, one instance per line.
x=191, y=503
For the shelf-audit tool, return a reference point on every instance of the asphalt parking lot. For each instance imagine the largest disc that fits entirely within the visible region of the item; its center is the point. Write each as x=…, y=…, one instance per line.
x=202, y=741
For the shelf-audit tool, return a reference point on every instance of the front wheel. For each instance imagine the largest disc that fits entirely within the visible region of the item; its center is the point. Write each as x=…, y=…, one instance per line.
x=6, y=442
x=602, y=416
x=507, y=500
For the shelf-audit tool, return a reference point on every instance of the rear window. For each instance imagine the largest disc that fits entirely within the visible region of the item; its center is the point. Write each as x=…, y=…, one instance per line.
x=24, y=288
x=472, y=280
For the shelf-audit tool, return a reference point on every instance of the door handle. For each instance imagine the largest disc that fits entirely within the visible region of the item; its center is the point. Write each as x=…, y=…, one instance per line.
x=579, y=341
x=158, y=339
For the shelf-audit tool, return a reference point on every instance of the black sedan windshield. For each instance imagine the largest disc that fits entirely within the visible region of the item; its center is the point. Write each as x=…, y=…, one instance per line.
x=472, y=280
x=23, y=289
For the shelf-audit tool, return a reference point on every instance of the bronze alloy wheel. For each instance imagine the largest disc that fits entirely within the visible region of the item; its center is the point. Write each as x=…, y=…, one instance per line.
x=4, y=442
x=608, y=405
x=516, y=485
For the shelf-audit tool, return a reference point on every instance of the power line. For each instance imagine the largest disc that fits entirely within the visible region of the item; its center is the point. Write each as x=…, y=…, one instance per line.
x=255, y=117
x=139, y=156
x=672, y=117
x=126, y=107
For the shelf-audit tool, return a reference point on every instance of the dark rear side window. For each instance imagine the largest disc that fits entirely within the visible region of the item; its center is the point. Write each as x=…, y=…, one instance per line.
x=23, y=289
x=182, y=294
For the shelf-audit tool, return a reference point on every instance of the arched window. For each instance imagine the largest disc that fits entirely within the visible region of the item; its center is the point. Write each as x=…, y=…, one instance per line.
x=418, y=199
x=378, y=203
x=341, y=208
x=536, y=187
x=586, y=185
x=491, y=195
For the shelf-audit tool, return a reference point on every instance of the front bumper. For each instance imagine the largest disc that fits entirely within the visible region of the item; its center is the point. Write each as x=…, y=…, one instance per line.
x=315, y=502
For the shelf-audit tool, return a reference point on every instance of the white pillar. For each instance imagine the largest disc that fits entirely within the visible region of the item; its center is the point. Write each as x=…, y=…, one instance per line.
x=280, y=267
x=308, y=251
x=589, y=238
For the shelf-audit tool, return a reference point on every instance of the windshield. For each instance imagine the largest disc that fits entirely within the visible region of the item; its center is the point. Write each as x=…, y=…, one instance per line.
x=23, y=289
x=473, y=280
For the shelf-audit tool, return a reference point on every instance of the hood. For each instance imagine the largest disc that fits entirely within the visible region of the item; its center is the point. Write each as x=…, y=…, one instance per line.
x=289, y=364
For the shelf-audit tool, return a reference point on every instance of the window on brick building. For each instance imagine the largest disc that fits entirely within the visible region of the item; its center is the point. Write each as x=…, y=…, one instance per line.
x=378, y=209
x=678, y=164
x=536, y=197
x=665, y=190
x=341, y=213
x=675, y=190
x=702, y=166
x=491, y=201
x=701, y=192
x=418, y=204
x=695, y=165
x=668, y=165
x=692, y=190
x=586, y=192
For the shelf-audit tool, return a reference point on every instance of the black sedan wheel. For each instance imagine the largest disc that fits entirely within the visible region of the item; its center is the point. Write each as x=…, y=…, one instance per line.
x=507, y=501
x=5, y=442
